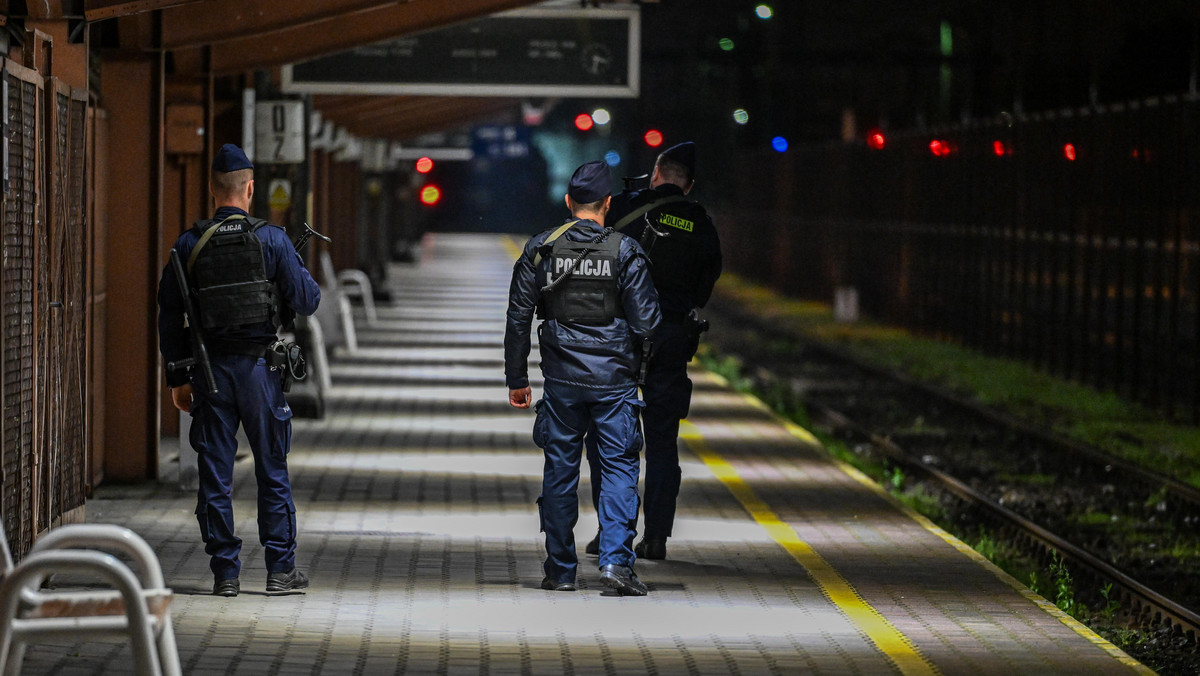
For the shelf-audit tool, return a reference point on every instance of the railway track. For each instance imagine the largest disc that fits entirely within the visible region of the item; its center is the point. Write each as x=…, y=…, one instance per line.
x=1101, y=514
x=1148, y=603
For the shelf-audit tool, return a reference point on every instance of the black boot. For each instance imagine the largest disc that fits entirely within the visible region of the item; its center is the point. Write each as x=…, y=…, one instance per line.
x=652, y=548
x=623, y=580
x=292, y=580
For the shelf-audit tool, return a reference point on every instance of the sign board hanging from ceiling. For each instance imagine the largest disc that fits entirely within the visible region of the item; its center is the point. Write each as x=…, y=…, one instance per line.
x=590, y=52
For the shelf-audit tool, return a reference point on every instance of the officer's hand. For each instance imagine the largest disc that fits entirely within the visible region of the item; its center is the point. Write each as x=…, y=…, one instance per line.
x=520, y=398
x=182, y=397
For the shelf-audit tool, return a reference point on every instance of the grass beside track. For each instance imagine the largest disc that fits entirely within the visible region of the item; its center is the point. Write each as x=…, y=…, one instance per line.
x=1072, y=410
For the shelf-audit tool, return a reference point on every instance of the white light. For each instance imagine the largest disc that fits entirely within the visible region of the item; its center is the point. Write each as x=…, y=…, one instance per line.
x=741, y=116
x=601, y=116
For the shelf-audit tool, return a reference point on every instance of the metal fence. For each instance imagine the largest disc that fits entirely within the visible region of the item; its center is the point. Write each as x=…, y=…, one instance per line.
x=1066, y=239
x=43, y=310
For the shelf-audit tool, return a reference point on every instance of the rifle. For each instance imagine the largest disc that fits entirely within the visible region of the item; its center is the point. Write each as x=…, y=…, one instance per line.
x=308, y=234
x=636, y=182
x=199, y=351
x=286, y=315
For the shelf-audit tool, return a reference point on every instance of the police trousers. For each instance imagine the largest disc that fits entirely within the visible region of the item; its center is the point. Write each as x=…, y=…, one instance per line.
x=668, y=394
x=250, y=395
x=564, y=414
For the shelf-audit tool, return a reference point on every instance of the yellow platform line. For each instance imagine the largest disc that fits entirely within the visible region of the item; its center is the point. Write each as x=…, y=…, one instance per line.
x=894, y=645
x=891, y=642
x=512, y=246
x=1075, y=625
x=807, y=438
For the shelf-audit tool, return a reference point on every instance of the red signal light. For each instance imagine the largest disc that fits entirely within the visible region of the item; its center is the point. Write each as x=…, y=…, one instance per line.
x=583, y=122
x=1069, y=152
x=876, y=140
x=653, y=138
x=1000, y=148
x=430, y=195
x=939, y=147
x=424, y=165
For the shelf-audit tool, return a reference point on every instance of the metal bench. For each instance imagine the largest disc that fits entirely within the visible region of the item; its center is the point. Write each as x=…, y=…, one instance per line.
x=137, y=608
x=353, y=284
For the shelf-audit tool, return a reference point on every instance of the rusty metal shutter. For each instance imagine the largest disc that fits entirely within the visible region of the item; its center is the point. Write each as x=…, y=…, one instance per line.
x=77, y=308
x=60, y=316
x=17, y=305
x=66, y=402
x=47, y=327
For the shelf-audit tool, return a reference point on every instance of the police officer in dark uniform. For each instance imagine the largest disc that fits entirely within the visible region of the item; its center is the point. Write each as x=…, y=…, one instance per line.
x=592, y=289
x=685, y=262
x=243, y=274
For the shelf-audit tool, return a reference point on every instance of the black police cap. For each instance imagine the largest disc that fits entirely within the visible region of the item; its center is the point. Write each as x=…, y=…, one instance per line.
x=230, y=158
x=683, y=153
x=591, y=182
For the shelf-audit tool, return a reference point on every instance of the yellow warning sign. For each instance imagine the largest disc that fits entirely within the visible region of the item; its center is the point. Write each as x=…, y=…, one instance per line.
x=279, y=194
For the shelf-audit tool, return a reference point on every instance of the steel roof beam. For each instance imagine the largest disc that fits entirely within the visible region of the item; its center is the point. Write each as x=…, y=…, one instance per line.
x=303, y=33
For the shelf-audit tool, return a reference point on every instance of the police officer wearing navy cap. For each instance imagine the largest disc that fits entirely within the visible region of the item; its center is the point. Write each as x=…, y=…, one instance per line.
x=685, y=262
x=592, y=289
x=244, y=274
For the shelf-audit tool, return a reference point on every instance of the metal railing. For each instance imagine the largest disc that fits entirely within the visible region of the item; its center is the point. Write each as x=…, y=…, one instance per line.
x=1067, y=239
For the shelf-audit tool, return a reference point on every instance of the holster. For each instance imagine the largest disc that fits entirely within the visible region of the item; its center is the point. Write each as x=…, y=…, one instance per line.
x=695, y=325
x=288, y=357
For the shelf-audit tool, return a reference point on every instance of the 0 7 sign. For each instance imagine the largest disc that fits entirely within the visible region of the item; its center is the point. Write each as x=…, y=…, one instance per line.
x=279, y=132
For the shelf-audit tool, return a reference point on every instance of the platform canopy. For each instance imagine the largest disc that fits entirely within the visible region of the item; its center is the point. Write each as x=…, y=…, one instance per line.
x=239, y=36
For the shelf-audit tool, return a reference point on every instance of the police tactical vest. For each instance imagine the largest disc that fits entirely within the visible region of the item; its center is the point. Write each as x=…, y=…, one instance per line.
x=229, y=275
x=589, y=295
x=673, y=246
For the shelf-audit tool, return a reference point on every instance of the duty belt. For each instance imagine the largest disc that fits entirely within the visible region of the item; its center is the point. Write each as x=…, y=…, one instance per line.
x=690, y=320
x=674, y=317
x=239, y=347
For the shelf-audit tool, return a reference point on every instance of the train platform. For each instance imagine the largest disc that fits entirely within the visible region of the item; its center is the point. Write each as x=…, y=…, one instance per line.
x=416, y=495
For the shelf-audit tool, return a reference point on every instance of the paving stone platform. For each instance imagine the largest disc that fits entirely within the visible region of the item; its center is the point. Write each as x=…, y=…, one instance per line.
x=415, y=498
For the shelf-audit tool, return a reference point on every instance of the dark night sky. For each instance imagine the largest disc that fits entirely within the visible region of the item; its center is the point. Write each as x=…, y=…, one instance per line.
x=799, y=71
x=802, y=73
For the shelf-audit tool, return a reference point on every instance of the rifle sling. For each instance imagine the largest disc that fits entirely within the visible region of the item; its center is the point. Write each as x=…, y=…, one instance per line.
x=645, y=209
x=550, y=240
x=205, y=237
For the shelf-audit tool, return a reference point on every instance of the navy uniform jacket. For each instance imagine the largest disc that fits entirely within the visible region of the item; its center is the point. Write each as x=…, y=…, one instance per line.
x=596, y=357
x=296, y=287
x=707, y=263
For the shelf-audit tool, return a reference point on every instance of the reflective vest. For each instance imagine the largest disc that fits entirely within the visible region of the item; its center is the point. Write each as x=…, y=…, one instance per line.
x=590, y=294
x=229, y=275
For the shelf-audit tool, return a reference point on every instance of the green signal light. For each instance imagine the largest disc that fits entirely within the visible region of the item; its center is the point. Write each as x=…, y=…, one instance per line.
x=726, y=44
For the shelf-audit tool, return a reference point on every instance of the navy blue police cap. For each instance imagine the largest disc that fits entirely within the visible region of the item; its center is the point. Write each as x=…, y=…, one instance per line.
x=230, y=158
x=591, y=182
x=683, y=153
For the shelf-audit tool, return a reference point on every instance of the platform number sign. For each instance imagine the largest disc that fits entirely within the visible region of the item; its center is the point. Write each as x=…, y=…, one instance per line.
x=279, y=132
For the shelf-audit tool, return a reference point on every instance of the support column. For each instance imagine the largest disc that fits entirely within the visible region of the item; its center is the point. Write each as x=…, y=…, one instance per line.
x=132, y=92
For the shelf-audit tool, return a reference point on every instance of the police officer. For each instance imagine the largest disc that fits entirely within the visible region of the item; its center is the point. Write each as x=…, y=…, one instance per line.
x=592, y=288
x=262, y=276
x=685, y=262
